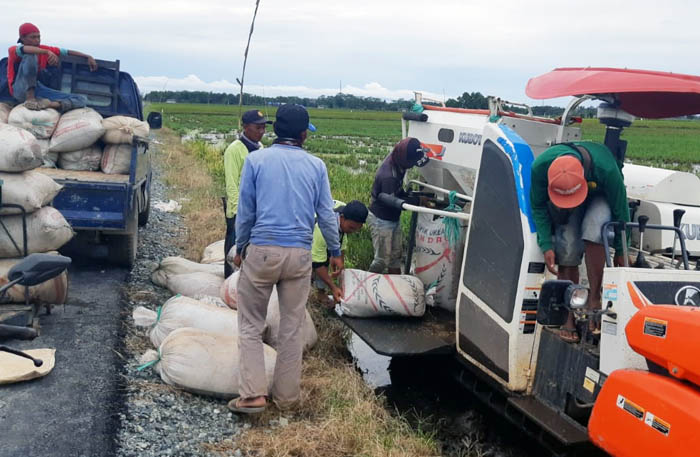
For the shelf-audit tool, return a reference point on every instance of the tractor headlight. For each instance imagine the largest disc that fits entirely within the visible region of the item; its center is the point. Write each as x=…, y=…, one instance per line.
x=576, y=296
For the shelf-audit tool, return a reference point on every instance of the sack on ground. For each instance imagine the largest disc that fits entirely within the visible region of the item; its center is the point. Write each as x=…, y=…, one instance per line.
x=179, y=312
x=368, y=294
x=54, y=291
x=203, y=362
x=229, y=290
x=4, y=112
x=214, y=253
x=29, y=189
x=87, y=159
x=193, y=284
x=77, y=129
x=40, y=123
x=116, y=159
x=436, y=263
x=171, y=266
x=272, y=325
x=47, y=230
x=121, y=129
x=19, y=150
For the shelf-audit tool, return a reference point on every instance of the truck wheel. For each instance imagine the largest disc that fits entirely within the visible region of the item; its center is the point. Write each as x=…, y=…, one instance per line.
x=122, y=248
x=143, y=215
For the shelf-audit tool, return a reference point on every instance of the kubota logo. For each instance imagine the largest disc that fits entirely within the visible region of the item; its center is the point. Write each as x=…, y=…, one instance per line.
x=688, y=296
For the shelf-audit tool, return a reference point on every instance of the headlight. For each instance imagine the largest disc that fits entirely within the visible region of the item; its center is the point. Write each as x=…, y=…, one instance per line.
x=576, y=296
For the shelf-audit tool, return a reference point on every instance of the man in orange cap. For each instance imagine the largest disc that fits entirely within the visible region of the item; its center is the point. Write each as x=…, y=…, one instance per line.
x=25, y=64
x=575, y=189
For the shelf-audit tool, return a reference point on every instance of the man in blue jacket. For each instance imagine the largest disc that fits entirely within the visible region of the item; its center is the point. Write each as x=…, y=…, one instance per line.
x=283, y=189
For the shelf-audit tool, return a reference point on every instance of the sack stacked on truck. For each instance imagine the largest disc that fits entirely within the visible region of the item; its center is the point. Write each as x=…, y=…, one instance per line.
x=122, y=129
x=368, y=294
x=202, y=362
x=76, y=140
x=437, y=263
x=4, y=112
x=40, y=123
x=19, y=150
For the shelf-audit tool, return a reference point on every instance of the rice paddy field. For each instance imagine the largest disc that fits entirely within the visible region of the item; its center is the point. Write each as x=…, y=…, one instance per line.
x=353, y=144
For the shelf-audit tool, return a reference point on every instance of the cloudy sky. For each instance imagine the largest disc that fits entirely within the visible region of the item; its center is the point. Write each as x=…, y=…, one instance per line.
x=381, y=48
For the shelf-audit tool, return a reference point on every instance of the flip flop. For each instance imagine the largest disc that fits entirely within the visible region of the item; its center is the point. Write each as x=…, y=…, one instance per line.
x=236, y=408
x=569, y=335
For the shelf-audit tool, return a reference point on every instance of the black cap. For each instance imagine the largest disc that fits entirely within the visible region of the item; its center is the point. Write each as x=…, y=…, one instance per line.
x=416, y=154
x=355, y=211
x=254, y=117
x=291, y=120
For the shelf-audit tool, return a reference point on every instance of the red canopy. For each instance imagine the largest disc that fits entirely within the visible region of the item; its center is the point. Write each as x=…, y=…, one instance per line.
x=651, y=94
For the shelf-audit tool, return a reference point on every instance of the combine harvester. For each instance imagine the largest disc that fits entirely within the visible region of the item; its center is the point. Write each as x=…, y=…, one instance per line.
x=635, y=391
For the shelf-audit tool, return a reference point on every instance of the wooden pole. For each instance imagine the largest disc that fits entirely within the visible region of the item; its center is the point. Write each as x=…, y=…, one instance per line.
x=245, y=60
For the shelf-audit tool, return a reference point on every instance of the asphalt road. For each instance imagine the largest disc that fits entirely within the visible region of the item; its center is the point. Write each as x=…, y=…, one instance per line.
x=73, y=411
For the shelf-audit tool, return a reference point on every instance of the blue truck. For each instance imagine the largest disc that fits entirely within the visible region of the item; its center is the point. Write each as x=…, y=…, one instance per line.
x=110, y=207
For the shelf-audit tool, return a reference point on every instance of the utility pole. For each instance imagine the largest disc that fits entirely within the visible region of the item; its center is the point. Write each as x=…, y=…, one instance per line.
x=245, y=60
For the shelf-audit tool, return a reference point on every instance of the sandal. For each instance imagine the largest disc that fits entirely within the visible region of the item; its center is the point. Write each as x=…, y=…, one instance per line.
x=569, y=335
x=37, y=104
x=234, y=405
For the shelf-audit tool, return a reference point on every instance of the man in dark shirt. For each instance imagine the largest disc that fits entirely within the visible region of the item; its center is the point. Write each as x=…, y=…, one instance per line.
x=383, y=220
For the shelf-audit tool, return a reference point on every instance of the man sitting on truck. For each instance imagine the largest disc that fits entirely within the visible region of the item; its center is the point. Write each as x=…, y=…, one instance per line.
x=575, y=189
x=254, y=124
x=351, y=218
x=26, y=65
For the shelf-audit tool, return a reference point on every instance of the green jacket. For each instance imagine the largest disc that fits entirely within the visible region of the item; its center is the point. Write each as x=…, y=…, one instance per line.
x=234, y=157
x=319, y=249
x=604, y=178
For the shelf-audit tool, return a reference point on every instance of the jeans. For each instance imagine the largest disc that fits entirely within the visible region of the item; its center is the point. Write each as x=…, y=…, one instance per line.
x=229, y=242
x=386, y=240
x=26, y=79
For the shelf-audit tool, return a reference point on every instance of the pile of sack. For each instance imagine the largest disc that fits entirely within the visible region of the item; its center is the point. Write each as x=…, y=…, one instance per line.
x=196, y=331
x=79, y=139
x=47, y=229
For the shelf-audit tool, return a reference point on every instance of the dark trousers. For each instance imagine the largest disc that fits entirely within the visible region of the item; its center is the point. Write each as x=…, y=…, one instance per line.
x=229, y=242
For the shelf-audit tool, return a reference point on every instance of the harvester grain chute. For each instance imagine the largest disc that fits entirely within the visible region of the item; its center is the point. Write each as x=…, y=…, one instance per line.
x=505, y=306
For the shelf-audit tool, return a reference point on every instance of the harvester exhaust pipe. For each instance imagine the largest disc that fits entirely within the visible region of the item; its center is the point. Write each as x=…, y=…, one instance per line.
x=677, y=216
x=641, y=261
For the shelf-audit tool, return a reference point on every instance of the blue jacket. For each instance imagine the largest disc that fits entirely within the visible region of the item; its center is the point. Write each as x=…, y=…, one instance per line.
x=282, y=189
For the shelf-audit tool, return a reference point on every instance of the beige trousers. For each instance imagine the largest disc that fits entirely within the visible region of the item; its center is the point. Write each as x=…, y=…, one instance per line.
x=290, y=270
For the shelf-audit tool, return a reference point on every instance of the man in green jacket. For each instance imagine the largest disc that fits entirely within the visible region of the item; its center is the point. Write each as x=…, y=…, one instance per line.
x=254, y=123
x=575, y=189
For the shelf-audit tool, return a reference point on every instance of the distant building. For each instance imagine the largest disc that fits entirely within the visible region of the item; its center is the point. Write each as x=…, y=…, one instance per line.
x=171, y=100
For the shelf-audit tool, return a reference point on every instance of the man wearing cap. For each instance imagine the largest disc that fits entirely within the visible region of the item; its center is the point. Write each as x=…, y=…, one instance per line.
x=351, y=218
x=26, y=65
x=383, y=219
x=254, y=123
x=575, y=189
x=283, y=191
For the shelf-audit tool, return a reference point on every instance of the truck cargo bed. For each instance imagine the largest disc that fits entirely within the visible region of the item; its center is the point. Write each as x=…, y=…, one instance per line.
x=83, y=176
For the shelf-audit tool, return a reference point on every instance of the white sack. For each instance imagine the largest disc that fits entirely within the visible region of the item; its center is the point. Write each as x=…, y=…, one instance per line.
x=229, y=290
x=214, y=253
x=193, y=284
x=87, y=159
x=54, y=291
x=116, y=159
x=368, y=294
x=29, y=189
x=50, y=158
x=203, y=362
x=19, y=150
x=436, y=262
x=47, y=230
x=121, y=129
x=77, y=129
x=40, y=123
x=4, y=112
x=171, y=266
x=179, y=312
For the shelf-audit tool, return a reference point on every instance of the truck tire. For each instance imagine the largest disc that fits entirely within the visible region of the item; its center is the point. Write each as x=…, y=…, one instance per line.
x=122, y=248
x=143, y=215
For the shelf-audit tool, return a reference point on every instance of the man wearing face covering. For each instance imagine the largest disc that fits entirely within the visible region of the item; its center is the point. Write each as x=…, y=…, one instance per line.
x=383, y=220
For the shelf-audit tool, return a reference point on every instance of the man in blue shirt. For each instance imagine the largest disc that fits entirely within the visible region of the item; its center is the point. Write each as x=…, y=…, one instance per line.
x=283, y=191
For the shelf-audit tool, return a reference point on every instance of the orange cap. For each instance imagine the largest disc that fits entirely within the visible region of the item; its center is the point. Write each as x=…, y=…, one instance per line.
x=567, y=185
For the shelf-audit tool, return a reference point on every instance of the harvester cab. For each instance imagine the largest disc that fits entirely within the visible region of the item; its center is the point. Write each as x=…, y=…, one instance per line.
x=494, y=281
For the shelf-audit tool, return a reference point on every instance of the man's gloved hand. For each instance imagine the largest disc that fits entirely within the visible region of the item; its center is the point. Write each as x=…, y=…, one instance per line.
x=337, y=265
x=549, y=261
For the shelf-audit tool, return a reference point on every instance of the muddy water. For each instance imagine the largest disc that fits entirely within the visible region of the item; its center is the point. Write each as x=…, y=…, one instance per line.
x=422, y=390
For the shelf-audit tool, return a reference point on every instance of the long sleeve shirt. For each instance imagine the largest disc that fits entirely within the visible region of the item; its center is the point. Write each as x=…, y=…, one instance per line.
x=604, y=178
x=234, y=157
x=282, y=189
x=389, y=180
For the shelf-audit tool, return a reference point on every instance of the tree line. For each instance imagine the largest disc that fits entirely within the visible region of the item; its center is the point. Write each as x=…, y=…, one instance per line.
x=471, y=100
